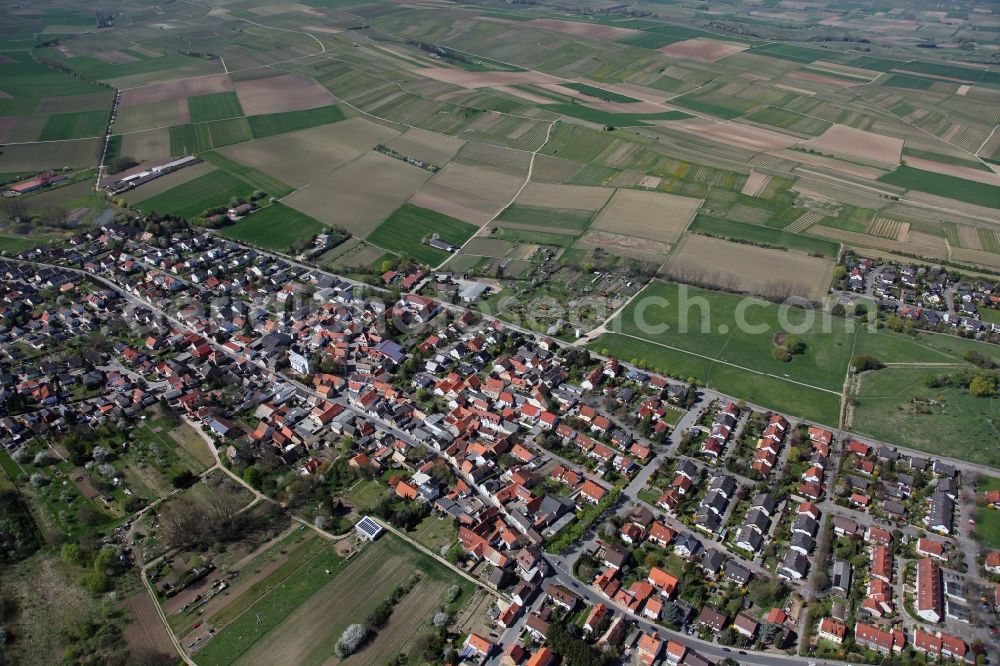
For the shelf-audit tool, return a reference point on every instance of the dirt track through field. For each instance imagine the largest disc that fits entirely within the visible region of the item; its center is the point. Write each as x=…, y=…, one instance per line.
x=145, y=631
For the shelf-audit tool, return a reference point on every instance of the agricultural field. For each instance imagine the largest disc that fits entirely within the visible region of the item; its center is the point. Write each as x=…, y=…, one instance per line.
x=651, y=215
x=361, y=194
x=969, y=191
x=302, y=156
x=756, y=270
x=309, y=603
x=276, y=227
x=404, y=231
x=194, y=197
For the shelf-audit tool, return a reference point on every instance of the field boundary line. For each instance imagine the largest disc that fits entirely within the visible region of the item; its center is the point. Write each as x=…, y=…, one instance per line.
x=732, y=365
x=270, y=589
x=527, y=179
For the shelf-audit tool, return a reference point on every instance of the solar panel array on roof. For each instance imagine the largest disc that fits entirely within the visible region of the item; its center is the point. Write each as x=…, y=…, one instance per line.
x=368, y=528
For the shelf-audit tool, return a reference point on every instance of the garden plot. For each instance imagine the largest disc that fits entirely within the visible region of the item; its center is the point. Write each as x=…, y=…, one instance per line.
x=650, y=215
x=361, y=194
x=299, y=158
x=750, y=268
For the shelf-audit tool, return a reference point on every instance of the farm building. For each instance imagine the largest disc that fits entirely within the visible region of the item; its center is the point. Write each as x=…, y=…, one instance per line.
x=368, y=529
x=36, y=183
x=472, y=291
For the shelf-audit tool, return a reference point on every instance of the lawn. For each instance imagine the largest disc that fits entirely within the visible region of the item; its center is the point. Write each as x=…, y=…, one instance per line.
x=895, y=405
x=366, y=494
x=216, y=106
x=984, y=483
x=194, y=197
x=15, y=244
x=599, y=93
x=435, y=532
x=942, y=185
x=713, y=226
x=80, y=125
x=277, y=227
x=278, y=123
x=988, y=527
x=404, y=230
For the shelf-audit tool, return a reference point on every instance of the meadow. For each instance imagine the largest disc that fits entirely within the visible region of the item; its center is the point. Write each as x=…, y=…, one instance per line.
x=896, y=405
x=276, y=227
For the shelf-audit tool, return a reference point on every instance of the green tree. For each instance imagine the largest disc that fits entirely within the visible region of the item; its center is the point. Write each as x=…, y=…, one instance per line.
x=71, y=554
x=983, y=386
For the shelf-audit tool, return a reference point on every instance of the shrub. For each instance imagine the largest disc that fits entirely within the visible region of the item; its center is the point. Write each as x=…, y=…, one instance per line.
x=351, y=640
x=43, y=459
x=38, y=480
x=863, y=362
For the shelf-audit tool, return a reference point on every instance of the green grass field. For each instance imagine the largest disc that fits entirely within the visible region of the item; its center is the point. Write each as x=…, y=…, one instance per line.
x=704, y=339
x=194, y=197
x=15, y=244
x=599, y=93
x=559, y=218
x=81, y=125
x=24, y=78
x=217, y=106
x=278, y=123
x=255, y=177
x=908, y=81
x=276, y=226
x=613, y=119
x=969, y=191
x=720, y=228
x=404, y=230
x=238, y=636
x=716, y=104
x=201, y=137
x=895, y=405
